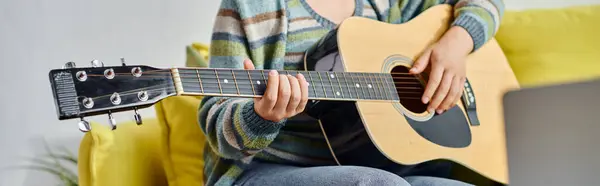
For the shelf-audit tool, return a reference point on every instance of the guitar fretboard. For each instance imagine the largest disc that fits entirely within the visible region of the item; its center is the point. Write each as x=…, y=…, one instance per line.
x=323, y=85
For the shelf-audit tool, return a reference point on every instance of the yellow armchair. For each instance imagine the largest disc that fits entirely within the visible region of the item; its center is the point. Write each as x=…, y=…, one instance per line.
x=543, y=46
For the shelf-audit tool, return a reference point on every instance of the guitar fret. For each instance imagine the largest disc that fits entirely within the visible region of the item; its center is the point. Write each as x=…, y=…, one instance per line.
x=365, y=86
x=337, y=79
x=345, y=94
x=373, y=87
x=335, y=93
x=208, y=82
x=245, y=84
x=323, y=85
x=225, y=79
x=391, y=83
x=347, y=85
x=378, y=87
x=372, y=94
x=199, y=80
x=387, y=93
x=189, y=83
x=361, y=87
x=356, y=85
x=259, y=84
x=235, y=82
x=218, y=81
x=262, y=72
x=251, y=83
x=317, y=84
x=368, y=78
x=312, y=84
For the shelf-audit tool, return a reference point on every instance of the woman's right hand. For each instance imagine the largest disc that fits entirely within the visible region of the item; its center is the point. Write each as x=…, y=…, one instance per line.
x=285, y=96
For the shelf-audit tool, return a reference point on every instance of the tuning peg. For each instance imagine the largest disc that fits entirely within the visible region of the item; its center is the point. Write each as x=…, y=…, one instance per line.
x=123, y=61
x=69, y=64
x=84, y=126
x=96, y=63
x=137, y=117
x=112, y=121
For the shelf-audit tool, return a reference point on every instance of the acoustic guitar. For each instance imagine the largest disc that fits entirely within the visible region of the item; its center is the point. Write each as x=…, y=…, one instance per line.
x=363, y=62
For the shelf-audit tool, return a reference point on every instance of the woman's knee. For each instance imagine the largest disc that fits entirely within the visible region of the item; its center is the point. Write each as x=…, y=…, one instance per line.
x=354, y=175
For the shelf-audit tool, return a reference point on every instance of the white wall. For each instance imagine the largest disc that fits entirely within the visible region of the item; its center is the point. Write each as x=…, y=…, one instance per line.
x=38, y=35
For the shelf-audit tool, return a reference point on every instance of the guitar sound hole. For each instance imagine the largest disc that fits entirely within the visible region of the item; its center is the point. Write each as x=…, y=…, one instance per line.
x=410, y=89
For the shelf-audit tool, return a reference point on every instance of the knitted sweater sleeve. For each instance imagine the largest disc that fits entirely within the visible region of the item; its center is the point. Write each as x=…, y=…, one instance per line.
x=243, y=29
x=481, y=19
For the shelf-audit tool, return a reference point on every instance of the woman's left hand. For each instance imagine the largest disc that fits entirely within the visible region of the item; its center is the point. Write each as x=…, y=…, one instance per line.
x=447, y=61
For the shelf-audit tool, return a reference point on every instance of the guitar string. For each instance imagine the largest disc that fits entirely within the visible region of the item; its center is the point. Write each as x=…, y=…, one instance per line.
x=194, y=77
x=194, y=74
x=365, y=92
x=216, y=88
x=242, y=70
x=172, y=90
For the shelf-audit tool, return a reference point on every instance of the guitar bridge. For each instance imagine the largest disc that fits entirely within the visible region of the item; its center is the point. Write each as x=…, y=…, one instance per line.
x=470, y=105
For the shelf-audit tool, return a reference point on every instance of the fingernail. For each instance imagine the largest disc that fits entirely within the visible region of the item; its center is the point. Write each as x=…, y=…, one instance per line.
x=273, y=73
x=301, y=76
x=439, y=111
x=425, y=100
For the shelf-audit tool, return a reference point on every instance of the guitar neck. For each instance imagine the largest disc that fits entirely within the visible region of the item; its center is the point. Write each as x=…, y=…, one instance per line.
x=323, y=85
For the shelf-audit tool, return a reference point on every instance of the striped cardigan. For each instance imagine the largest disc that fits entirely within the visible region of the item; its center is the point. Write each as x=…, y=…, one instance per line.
x=274, y=34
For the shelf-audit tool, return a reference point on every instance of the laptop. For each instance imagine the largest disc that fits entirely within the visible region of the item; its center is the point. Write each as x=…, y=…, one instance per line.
x=553, y=134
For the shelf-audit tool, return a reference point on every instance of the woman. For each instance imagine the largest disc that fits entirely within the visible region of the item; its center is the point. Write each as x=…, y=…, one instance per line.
x=270, y=140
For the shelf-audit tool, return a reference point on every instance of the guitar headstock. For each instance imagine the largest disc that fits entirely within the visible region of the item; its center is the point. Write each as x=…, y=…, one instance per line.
x=96, y=90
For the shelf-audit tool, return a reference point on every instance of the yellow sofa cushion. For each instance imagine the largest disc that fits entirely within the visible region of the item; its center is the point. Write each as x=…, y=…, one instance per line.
x=128, y=156
x=549, y=46
x=182, y=139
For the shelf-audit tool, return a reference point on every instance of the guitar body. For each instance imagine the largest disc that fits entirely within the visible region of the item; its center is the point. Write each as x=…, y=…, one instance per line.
x=471, y=133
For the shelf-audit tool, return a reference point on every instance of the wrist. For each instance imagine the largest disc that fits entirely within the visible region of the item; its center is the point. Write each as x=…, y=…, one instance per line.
x=474, y=28
x=253, y=118
x=458, y=38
